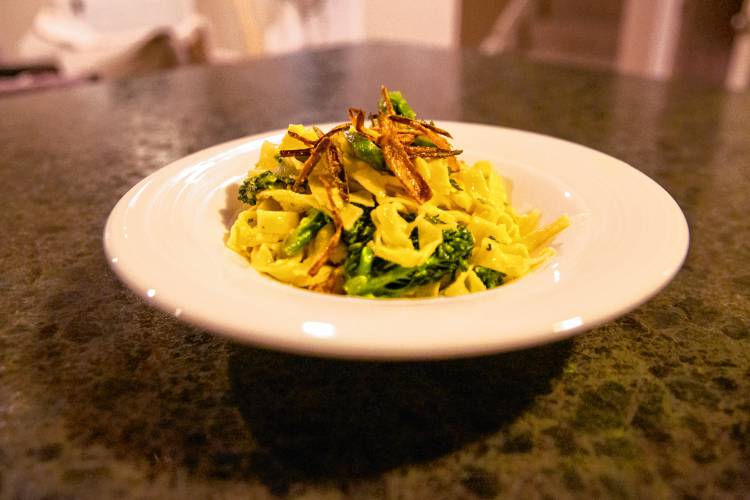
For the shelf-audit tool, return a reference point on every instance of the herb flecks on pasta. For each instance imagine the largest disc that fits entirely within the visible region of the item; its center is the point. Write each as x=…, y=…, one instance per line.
x=385, y=209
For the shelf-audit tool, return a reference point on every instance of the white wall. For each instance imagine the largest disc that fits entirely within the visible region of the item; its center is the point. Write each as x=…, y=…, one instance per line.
x=16, y=17
x=290, y=25
x=424, y=22
x=245, y=27
x=117, y=15
x=293, y=25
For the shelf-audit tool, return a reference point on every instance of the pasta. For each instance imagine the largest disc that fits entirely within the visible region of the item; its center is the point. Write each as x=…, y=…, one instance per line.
x=384, y=211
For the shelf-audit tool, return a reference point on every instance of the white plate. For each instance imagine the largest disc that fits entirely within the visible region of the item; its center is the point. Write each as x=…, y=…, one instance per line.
x=628, y=238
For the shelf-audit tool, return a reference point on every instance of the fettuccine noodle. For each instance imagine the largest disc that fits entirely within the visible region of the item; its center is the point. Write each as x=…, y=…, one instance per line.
x=407, y=232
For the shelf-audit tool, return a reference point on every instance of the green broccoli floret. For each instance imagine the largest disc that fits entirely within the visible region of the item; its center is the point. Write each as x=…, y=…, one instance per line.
x=450, y=257
x=266, y=180
x=305, y=231
x=356, y=240
x=400, y=106
x=489, y=277
x=366, y=150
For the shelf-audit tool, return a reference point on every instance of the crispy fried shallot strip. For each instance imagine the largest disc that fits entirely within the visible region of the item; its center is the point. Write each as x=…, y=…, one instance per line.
x=419, y=124
x=337, y=128
x=332, y=243
x=300, y=138
x=334, y=185
x=310, y=163
x=336, y=172
x=406, y=138
x=308, y=142
x=404, y=169
x=357, y=117
x=430, y=134
x=440, y=142
x=429, y=152
x=387, y=101
x=295, y=152
x=395, y=155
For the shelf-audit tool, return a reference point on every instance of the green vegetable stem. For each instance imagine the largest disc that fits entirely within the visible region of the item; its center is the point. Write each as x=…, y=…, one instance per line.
x=489, y=277
x=450, y=257
x=366, y=150
x=304, y=233
x=356, y=240
x=400, y=106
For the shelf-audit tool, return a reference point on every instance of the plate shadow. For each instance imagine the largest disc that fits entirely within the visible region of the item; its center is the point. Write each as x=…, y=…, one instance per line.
x=318, y=418
x=177, y=400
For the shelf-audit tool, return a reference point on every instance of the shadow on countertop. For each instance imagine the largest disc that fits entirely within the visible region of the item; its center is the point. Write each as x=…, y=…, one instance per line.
x=168, y=396
x=317, y=418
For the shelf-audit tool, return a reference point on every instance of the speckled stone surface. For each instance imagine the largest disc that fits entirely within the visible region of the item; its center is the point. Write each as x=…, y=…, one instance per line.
x=101, y=396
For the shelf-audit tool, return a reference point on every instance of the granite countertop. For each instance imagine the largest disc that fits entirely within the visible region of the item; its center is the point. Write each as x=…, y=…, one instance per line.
x=102, y=396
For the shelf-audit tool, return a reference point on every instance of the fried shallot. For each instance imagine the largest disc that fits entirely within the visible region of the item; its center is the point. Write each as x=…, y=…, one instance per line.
x=395, y=155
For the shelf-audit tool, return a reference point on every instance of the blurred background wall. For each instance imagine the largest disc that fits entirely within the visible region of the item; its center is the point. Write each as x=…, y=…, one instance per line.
x=706, y=40
x=15, y=19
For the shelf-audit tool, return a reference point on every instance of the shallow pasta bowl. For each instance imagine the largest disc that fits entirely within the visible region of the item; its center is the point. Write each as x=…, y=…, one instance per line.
x=627, y=240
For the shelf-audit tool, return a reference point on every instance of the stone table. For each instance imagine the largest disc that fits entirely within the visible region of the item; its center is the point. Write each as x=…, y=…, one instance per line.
x=102, y=396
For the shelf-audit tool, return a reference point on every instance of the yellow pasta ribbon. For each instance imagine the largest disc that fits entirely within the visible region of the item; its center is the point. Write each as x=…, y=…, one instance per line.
x=475, y=197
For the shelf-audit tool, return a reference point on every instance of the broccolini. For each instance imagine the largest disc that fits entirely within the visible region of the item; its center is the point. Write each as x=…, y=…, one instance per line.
x=489, y=277
x=400, y=106
x=250, y=188
x=450, y=257
x=366, y=150
x=356, y=240
x=304, y=233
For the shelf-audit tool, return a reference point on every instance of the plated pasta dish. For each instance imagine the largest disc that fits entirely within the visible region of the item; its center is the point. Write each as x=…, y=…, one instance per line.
x=384, y=207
